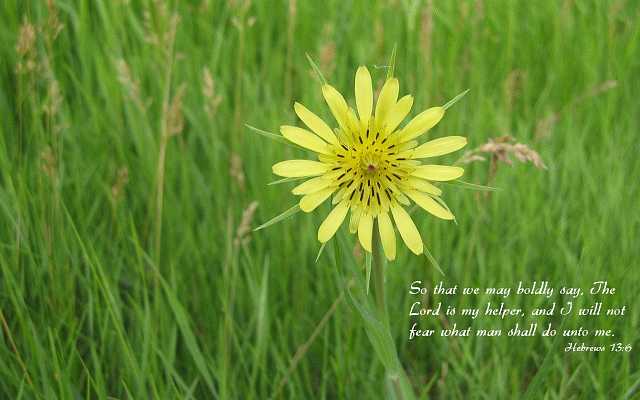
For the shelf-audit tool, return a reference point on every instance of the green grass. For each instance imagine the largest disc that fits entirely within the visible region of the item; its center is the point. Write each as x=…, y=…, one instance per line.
x=102, y=296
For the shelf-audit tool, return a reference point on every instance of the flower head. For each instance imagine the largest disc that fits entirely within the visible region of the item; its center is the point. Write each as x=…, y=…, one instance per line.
x=370, y=165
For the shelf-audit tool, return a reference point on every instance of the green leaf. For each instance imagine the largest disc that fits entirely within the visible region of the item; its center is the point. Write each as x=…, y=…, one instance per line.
x=273, y=136
x=367, y=260
x=392, y=62
x=320, y=251
x=433, y=260
x=182, y=319
x=632, y=391
x=472, y=186
x=446, y=207
x=455, y=99
x=293, y=210
x=285, y=180
x=537, y=387
x=316, y=69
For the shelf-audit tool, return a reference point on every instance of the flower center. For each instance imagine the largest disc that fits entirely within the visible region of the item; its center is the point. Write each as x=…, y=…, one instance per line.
x=369, y=163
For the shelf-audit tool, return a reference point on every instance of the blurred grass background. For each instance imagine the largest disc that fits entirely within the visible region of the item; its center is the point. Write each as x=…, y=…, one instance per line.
x=127, y=266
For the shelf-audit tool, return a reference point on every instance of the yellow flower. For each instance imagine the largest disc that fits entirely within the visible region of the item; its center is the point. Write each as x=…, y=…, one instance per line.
x=370, y=165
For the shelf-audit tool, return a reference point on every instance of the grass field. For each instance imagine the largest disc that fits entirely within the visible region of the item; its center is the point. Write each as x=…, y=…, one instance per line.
x=127, y=266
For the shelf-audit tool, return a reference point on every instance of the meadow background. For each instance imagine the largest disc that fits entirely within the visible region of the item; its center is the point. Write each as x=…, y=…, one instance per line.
x=129, y=186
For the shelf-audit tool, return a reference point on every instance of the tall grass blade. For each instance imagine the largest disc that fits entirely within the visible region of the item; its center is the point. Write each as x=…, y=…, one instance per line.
x=432, y=260
x=316, y=69
x=455, y=99
x=472, y=186
x=290, y=212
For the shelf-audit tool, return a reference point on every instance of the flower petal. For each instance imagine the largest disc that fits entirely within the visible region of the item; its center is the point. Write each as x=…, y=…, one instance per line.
x=438, y=172
x=421, y=123
x=311, y=201
x=311, y=186
x=398, y=112
x=387, y=236
x=386, y=100
x=354, y=221
x=421, y=185
x=299, y=168
x=438, y=147
x=365, y=231
x=333, y=222
x=353, y=124
x=315, y=123
x=304, y=138
x=337, y=105
x=407, y=229
x=364, y=94
x=429, y=204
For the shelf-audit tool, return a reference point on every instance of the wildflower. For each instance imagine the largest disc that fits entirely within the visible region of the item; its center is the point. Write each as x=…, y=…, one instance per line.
x=369, y=165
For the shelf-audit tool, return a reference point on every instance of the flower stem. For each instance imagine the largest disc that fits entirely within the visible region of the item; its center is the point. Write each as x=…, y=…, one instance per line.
x=398, y=384
x=378, y=274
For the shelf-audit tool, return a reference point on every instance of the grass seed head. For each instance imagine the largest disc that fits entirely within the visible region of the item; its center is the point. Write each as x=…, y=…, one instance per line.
x=243, y=231
x=213, y=99
x=236, y=170
x=174, y=115
x=117, y=189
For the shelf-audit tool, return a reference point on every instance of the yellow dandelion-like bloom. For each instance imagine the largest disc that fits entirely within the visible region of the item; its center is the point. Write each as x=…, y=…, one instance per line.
x=370, y=165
